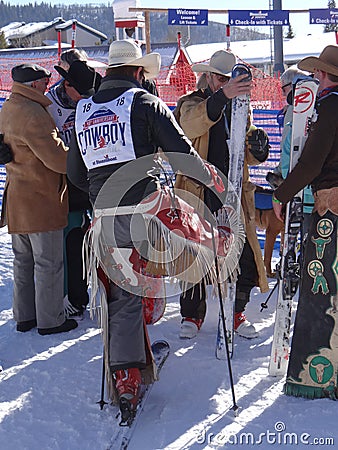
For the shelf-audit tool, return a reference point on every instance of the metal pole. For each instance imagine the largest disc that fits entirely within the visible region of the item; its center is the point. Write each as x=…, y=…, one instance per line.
x=101, y=402
x=227, y=36
x=220, y=299
x=73, y=33
x=59, y=44
x=278, y=42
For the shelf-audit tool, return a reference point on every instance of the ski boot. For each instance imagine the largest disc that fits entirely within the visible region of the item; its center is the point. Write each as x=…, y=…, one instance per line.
x=128, y=382
x=243, y=327
x=190, y=327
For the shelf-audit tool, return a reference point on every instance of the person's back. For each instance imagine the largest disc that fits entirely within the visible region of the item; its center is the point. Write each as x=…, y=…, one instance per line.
x=149, y=124
x=118, y=132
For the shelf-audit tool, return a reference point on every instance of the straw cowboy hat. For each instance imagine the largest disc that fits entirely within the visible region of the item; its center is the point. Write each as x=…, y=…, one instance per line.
x=221, y=62
x=327, y=61
x=127, y=53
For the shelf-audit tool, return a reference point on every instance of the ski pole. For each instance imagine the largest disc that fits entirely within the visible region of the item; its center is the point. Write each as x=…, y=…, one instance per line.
x=220, y=298
x=101, y=402
x=264, y=305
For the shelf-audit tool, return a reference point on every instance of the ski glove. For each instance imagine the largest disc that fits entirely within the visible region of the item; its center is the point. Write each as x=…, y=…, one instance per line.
x=216, y=180
x=6, y=155
x=257, y=142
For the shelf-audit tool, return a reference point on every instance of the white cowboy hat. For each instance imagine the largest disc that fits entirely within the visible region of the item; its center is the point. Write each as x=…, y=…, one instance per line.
x=327, y=61
x=221, y=62
x=127, y=53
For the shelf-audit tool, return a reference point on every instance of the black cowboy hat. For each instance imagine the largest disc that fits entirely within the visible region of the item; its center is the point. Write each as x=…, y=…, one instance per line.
x=82, y=77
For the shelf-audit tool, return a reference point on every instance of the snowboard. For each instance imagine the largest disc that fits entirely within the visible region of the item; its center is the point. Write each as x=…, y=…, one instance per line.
x=305, y=91
x=238, y=127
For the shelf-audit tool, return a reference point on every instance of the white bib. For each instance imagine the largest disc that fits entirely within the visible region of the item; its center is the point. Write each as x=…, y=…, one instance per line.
x=64, y=118
x=103, y=130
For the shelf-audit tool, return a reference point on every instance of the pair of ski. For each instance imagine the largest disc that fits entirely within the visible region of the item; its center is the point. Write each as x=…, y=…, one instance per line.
x=121, y=439
x=305, y=91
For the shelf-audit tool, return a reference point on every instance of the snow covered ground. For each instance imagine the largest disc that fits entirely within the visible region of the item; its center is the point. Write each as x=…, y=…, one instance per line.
x=50, y=386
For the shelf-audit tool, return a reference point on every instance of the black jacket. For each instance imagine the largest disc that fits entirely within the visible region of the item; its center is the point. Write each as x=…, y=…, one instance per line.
x=153, y=126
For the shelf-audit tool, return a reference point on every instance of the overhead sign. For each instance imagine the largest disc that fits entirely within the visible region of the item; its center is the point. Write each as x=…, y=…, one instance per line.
x=323, y=16
x=182, y=16
x=258, y=18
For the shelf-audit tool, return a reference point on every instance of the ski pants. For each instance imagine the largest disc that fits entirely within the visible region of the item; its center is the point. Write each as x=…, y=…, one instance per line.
x=193, y=301
x=247, y=279
x=38, y=278
x=125, y=311
x=75, y=283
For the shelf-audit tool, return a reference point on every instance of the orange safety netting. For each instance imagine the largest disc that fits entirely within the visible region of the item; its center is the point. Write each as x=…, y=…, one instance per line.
x=175, y=81
x=6, y=65
x=172, y=82
x=179, y=79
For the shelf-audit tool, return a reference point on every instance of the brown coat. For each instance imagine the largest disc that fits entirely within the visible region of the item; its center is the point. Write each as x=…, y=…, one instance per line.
x=35, y=197
x=191, y=113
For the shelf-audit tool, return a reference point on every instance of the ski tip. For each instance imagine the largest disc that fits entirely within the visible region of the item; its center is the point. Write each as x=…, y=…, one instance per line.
x=160, y=344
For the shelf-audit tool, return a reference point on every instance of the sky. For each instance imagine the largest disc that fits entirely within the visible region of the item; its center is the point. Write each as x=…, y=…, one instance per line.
x=299, y=21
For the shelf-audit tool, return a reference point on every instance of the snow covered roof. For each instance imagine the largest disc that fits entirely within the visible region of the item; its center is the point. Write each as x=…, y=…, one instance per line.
x=99, y=53
x=69, y=23
x=260, y=51
x=19, y=30
x=11, y=26
x=167, y=52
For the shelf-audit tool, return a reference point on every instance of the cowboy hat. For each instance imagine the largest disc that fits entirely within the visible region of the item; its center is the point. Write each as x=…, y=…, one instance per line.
x=82, y=77
x=221, y=62
x=127, y=53
x=327, y=61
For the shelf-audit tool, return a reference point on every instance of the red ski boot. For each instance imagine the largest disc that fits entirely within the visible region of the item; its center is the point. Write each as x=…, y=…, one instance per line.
x=128, y=383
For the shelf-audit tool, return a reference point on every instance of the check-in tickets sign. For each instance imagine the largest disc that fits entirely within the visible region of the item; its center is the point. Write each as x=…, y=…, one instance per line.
x=323, y=16
x=258, y=18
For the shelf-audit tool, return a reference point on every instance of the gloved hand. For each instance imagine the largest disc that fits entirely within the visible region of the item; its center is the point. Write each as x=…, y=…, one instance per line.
x=257, y=141
x=6, y=154
x=216, y=180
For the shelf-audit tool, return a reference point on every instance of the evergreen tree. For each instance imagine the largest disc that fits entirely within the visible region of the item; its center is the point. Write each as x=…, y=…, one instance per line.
x=3, y=43
x=290, y=34
x=331, y=26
